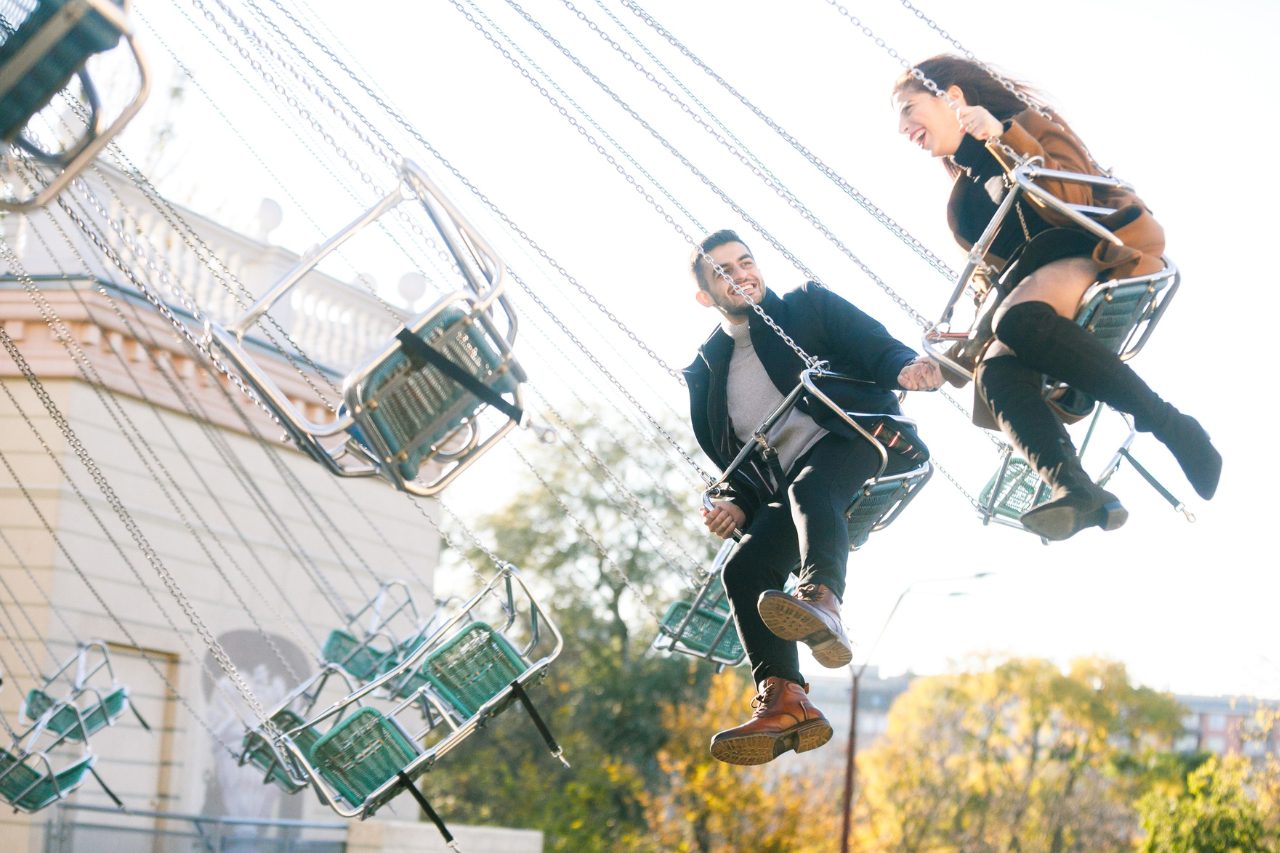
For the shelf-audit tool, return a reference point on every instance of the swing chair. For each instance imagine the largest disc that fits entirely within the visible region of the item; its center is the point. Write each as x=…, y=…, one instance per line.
x=355, y=654
x=475, y=664
x=260, y=748
x=702, y=628
x=1122, y=313
x=30, y=778
x=45, y=44
x=90, y=706
x=415, y=406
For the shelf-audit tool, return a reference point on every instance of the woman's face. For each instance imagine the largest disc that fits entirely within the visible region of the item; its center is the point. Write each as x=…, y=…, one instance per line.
x=929, y=122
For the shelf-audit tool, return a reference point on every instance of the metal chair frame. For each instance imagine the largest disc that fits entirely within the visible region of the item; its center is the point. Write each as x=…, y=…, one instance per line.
x=709, y=604
x=361, y=450
x=95, y=138
x=1157, y=290
x=89, y=718
x=910, y=481
x=502, y=588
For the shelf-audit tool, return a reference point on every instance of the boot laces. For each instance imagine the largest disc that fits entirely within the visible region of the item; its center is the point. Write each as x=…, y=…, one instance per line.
x=808, y=592
x=765, y=698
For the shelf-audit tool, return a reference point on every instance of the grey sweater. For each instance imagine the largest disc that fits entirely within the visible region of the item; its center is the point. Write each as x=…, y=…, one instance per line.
x=752, y=397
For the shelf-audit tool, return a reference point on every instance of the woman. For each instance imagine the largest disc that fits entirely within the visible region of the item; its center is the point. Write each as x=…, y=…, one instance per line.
x=1047, y=264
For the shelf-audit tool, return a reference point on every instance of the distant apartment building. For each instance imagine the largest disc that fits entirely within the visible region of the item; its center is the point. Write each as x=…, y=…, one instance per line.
x=1229, y=726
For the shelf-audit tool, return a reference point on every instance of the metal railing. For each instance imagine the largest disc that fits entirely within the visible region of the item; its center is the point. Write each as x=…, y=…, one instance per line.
x=85, y=827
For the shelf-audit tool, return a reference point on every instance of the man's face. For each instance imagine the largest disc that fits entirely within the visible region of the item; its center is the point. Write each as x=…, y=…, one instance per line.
x=737, y=263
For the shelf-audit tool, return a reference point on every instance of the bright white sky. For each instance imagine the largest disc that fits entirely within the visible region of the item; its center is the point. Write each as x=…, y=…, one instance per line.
x=1174, y=95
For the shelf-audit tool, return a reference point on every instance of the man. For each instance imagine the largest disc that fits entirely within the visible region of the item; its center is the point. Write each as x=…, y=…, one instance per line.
x=790, y=510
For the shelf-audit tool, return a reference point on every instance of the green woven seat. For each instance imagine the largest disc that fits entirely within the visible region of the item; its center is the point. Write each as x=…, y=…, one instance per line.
x=361, y=754
x=474, y=666
x=65, y=721
x=30, y=790
x=1112, y=316
x=873, y=503
x=701, y=630
x=414, y=410
x=258, y=752
x=1015, y=492
x=363, y=660
x=35, y=85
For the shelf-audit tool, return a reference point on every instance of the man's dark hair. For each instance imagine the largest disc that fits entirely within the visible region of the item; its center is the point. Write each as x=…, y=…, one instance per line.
x=697, y=264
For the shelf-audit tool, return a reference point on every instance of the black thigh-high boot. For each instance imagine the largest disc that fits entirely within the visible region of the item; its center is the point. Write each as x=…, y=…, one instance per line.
x=1055, y=345
x=1014, y=392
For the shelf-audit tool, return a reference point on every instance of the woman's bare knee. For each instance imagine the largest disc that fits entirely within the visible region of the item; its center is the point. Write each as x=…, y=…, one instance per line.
x=1061, y=284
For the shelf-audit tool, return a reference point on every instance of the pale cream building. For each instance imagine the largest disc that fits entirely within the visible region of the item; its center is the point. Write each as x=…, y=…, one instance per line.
x=268, y=548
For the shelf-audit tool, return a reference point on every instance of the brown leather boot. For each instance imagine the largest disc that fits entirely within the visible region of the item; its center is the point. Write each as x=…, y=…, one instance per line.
x=783, y=719
x=810, y=616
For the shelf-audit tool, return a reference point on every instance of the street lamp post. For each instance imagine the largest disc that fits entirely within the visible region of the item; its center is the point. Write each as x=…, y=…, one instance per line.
x=855, y=677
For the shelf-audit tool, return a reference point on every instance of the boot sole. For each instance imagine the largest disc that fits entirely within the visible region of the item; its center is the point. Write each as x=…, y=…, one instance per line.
x=1063, y=522
x=762, y=748
x=789, y=620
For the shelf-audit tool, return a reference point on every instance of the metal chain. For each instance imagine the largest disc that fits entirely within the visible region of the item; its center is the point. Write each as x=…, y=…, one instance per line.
x=919, y=75
x=1044, y=110
x=133, y=434
x=881, y=216
x=641, y=598
x=752, y=163
x=693, y=241
x=108, y=492
x=408, y=127
x=595, y=125
x=631, y=499
x=97, y=595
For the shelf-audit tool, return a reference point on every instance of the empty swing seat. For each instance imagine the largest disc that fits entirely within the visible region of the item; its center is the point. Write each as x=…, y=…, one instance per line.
x=45, y=44
x=28, y=789
x=259, y=752
x=361, y=754
x=66, y=719
x=411, y=413
x=32, y=76
x=363, y=660
x=412, y=410
x=704, y=627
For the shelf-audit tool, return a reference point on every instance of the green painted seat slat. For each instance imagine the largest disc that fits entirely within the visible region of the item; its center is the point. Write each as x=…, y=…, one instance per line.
x=30, y=790
x=474, y=666
x=366, y=662
x=53, y=71
x=362, y=753
x=417, y=409
x=1015, y=492
x=259, y=753
x=701, y=630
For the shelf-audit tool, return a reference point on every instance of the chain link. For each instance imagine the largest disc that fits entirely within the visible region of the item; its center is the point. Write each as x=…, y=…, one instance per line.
x=887, y=221
x=1012, y=87
x=117, y=506
x=97, y=595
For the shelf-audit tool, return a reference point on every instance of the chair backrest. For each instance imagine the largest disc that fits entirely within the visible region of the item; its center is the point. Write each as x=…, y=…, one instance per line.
x=47, y=42
x=362, y=753
x=879, y=502
x=410, y=414
x=29, y=782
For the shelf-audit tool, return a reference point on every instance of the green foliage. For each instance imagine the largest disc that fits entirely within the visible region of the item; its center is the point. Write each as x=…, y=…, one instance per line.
x=1219, y=812
x=605, y=696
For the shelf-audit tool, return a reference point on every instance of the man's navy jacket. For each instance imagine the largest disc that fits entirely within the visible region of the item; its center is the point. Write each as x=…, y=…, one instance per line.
x=825, y=326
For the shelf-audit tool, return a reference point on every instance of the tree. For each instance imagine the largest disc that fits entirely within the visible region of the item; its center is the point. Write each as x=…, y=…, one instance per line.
x=1019, y=757
x=1217, y=813
x=605, y=695
x=708, y=806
